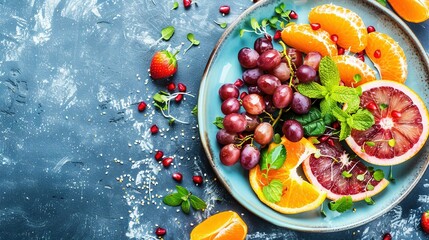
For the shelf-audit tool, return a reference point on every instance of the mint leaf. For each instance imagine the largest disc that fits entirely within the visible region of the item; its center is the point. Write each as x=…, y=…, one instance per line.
x=218, y=122
x=182, y=191
x=274, y=158
x=326, y=105
x=343, y=94
x=273, y=191
x=378, y=175
x=342, y=204
x=328, y=72
x=167, y=33
x=352, y=105
x=362, y=120
x=197, y=203
x=312, y=90
x=186, y=206
x=340, y=114
x=173, y=199
x=345, y=131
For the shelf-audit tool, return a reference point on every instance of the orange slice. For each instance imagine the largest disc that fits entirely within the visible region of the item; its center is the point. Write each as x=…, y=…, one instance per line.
x=411, y=10
x=226, y=225
x=298, y=195
x=349, y=67
x=346, y=24
x=305, y=39
x=388, y=57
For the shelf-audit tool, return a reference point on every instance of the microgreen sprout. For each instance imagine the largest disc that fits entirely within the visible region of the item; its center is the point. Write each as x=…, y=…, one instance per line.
x=193, y=41
x=175, y=5
x=166, y=34
x=222, y=25
x=162, y=101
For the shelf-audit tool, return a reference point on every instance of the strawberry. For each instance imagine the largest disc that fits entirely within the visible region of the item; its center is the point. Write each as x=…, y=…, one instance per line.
x=425, y=221
x=163, y=65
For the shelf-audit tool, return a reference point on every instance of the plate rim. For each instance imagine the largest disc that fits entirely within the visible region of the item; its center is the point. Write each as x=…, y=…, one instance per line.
x=209, y=152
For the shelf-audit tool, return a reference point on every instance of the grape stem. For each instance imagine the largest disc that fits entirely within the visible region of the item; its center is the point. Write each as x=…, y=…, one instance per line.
x=289, y=62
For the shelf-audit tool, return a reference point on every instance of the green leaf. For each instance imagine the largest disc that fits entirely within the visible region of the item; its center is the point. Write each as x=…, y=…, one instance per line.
x=218, y=122
x=264, y=22
x=195, y=110
x=369, y=187
x=340, y=114
x=343, y=94
x=342, y=204
x=346, y=174
x=186, y=206
x=167, y=33
x=175, y=5
x=273, y=191
x=362, y=120
x=312, y=90
x=326, y=105
x=391, y=178
x=383, y=106
x=369, y=201
x=370, y=143
x=254, y=24
x=242, y=31
x=328, y=72
x=357, y=78
x=273, y=20
x=182, y=191
x=391, y=142
x=173, y=199
x=345, y=131
x=312, y=122
x=223, y=25
x=382, y=2
x=274, y=158
x=353, y=104
x=378, y=175
x=360, y=177
x=192, y=39
x=197, y=203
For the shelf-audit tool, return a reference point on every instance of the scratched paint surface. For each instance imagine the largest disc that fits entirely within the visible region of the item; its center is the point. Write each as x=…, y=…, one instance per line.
x=76, y=157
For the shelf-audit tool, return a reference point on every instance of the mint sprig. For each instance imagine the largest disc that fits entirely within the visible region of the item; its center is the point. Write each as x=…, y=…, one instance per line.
x=185, y=199
x=273, y=159
x=273, y=191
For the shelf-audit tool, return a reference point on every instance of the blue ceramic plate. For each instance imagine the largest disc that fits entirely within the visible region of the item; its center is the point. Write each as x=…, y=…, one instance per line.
x=223, y=67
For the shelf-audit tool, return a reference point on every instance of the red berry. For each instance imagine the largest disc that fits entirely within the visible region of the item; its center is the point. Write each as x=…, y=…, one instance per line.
x=163, y=65
x=177, y=176
x=425, y=221
x=239, y=83
x=330, y=141
x=160, y=232
x=187, y=3
x=167, y=161
x=372, y=106
x=181, y=87
x=293, y=14
x=323, y=138
x=178, y=98
x=377, y=53
x=142, y=106
x=387, y=236
x=224, y=9
x=341, y=51
x=171, y=86
x=154, y=129
x=159, y=155
x=334, y=38
x=336, y=125
x=361, y=57
x=396, y=114
x=277, y=35
x=197, y=179
x=315, y=26
x=243, y=94
x=370, y=29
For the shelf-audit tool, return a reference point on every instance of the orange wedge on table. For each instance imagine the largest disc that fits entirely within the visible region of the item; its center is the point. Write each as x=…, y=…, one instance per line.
x=226, y=225
x=411, y=10
x=298, y=195
x=344, y=23
x=349, y=67
x=305, y=39
x=388, y=57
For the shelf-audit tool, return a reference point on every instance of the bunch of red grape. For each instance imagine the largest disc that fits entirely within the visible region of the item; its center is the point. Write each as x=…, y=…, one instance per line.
x=270, y=76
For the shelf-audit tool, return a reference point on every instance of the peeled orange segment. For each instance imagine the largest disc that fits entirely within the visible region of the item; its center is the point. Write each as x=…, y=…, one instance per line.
x=387, y=56
x=305, y=39
x=221, y=226
x=344, y=23
x=401, y=124
x=349, y=67
x=411, y=10
x=338, y=175
x=298, y=195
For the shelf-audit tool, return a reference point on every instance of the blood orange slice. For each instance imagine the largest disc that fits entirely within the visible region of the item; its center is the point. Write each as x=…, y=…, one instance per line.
x=336, y=174
x=401, y=124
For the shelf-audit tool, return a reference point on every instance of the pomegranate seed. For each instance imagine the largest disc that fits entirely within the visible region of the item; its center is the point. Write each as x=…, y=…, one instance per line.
x=268, y=37
x=396, y=114
x=142, y=106
x=160, y=231
x=341, y=51
x=197, y=179
x=224, y=9
x=171, y=86
x=370, y=29
x=181, y=87
x=315, y=26
x=330, y=141
x=239, y=83
x=167, y=161
x=178, y=98
x=177, y=176
x=387, y=236
x=361, y=57
x=293, y=14
x=159, y=155
x=361, y=53
x=336, y=125
x=334, y=38
x=371, y=106
x=323, y=138
x=243, y=94
x=377, y=53
x=277, y=35
x=187, y=3
x=154, y=129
